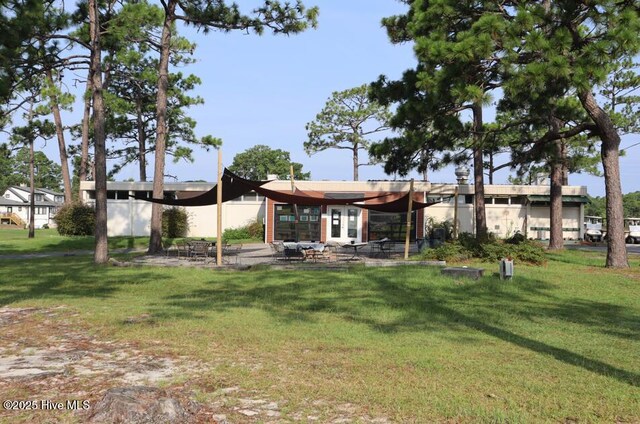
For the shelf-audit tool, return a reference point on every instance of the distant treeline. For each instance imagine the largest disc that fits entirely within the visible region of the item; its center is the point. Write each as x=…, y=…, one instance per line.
x=631, y=202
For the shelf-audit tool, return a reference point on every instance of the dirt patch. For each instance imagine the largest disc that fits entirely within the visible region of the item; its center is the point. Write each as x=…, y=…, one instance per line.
x=56, y=372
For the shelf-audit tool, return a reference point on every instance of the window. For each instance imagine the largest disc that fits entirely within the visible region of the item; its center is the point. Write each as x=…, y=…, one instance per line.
x=9, y=209
x=6, y=196
x=501, y=200
x=251, y=196
x=118, y=195
x=390, y=225
x=303, y=226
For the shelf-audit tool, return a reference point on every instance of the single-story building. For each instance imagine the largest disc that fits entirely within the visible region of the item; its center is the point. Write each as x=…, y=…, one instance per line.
x=509, y=208
x=15, y=202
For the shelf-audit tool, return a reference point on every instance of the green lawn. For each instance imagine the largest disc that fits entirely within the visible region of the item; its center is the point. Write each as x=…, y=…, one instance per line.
x=16, y=242
x=560, y=342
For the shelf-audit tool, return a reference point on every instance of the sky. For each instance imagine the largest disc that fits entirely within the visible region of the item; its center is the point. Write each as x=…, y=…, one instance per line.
x=264, y=89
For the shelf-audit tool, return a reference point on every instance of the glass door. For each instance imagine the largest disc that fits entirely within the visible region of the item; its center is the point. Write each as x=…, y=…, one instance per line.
x=345, y=224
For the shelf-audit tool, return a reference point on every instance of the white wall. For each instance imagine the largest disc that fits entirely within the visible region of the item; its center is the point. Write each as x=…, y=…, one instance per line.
x=123, y=216
x=540, y=218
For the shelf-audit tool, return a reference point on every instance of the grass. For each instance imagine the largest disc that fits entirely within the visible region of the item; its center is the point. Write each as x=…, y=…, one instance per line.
x=16, y=242
x=556, y=343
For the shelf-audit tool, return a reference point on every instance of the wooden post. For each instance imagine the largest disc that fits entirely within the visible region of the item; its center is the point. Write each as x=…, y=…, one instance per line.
x=219, y=204
x=408, y=229
x=455, y=213
x=295, y=207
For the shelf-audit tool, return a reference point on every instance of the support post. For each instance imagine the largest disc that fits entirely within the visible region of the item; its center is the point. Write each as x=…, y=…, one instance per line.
x=407, y=233
x=219, y=208
x=455, y=213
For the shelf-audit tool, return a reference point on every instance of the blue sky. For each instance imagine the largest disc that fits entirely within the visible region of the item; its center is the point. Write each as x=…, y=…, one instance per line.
x=263, y=90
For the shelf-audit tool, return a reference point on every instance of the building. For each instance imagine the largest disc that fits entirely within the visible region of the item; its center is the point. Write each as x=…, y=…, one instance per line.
x=509, y=208
x=15, y=202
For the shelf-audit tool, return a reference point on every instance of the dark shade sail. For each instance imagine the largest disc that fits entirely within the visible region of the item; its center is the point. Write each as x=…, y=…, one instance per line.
x=396, y=206
x=234, y=186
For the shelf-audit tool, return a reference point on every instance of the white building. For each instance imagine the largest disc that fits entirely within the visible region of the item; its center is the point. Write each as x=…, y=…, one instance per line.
x=509, y=208
x=15, y=202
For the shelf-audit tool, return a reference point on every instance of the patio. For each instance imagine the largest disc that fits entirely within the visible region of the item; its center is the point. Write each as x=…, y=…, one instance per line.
x=251, y=255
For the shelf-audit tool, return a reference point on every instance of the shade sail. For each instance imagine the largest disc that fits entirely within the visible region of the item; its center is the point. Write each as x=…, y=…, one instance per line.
x=298, y=197
x=234, y=186
x=231, y=189
x=395, y=206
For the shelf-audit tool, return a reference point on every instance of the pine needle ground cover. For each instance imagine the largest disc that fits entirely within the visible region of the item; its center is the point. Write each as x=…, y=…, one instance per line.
x=559, y=342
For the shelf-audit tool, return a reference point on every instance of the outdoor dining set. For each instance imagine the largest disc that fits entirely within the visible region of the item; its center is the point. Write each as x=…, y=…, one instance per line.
x=312, y=250
x=201, y=249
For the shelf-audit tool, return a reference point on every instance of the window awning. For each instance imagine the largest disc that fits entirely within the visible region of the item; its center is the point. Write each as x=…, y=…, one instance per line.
x=565, y=199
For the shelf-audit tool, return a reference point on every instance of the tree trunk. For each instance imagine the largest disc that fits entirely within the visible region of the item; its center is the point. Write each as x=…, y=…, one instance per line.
x=565, y=168
x=155, y=241
x=355, y=162
x=101, y=254
x=555, y=210
x=62, y=147
x=610, y=153
x=84, y=150
x=32, y=191
x=491, y=171
x=142, y=143
x=478, y=174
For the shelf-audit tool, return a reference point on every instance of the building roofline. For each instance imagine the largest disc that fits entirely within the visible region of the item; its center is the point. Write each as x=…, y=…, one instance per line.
x=14, y=190
x=353, y=186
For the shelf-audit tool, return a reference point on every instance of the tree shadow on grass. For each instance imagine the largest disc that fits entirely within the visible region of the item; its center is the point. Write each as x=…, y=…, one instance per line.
x=413, y=304
x=60, y=278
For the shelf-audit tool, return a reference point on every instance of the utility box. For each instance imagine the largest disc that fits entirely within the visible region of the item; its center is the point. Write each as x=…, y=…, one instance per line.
x=506, y=269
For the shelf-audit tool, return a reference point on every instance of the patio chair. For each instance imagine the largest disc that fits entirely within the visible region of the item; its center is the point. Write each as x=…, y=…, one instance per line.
x=232, y=251
x=168, y=246
x=200, y=250
x=182, y=249
x=277, y=251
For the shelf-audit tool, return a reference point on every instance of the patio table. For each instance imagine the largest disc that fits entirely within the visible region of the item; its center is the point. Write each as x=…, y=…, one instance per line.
x=294, y=249
x=356, y=247
x=381, y=248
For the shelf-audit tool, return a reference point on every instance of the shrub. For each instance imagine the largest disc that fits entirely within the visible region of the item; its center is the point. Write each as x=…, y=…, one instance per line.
x=175, y=223
x=256, y=229
x=253, y=230
x=432, y=225
x=517, y=238
x=491, y=251
x=75, y=219
x=449, y=251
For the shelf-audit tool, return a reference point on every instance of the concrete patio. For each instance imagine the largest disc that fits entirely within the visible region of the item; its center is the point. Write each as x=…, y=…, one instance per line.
x=251, y=255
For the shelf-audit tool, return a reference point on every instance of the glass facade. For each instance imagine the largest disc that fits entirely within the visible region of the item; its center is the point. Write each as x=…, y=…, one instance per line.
x=390, y=225
x=303, y=226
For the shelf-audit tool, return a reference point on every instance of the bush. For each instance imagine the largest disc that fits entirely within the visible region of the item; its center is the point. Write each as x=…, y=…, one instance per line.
x=76, y=219
x=175, y=223
x=449, y=251
x=253, y=230
x=467, y=247
x=432, y=225
x=517, y=238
